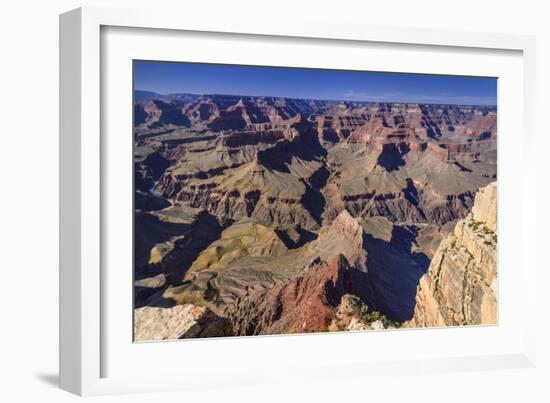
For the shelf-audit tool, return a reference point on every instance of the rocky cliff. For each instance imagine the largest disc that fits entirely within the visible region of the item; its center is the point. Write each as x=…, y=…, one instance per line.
x=460, y=287
x=269, y=211
x=179, y=322
x=249, y=259
x=302, y=305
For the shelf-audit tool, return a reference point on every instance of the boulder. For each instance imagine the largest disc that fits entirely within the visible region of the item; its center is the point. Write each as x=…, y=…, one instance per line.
x=178, y=322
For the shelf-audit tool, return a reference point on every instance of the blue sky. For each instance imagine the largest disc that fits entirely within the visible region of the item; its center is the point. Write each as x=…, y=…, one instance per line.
x=169, y=77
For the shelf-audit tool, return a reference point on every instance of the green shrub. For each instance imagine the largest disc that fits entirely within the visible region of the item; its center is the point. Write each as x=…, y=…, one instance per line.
x=372, y=316
x=476, y=225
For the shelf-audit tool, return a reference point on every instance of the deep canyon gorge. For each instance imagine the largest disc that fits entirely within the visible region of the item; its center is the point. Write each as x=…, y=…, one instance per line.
x=267, y=215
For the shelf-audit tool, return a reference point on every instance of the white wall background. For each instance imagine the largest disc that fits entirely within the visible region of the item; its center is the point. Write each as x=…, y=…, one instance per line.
x=29, y=199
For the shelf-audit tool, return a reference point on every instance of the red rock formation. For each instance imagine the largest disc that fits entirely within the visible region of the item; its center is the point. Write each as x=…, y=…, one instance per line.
x=339, y=123
x=438, y=151
x=254, y=137
x=376, y=127
x=304, y=304
x=482, y=126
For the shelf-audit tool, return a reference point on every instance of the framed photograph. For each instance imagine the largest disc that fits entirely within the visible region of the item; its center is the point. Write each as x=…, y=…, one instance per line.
x=230, y=193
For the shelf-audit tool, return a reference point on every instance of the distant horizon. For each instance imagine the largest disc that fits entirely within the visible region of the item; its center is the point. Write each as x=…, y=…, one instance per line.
x=169, y=78
x=308, y=99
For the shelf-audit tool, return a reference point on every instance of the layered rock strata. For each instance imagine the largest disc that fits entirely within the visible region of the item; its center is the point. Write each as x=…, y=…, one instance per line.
x=302, y=305
x=460, y=287
x=275, y=214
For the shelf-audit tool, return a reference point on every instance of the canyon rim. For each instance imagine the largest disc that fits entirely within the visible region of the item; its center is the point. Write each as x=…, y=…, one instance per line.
x=272, y=200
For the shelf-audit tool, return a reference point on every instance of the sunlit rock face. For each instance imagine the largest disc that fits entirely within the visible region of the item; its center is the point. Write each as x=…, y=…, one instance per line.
x=264, y=215
x=460, y=287
x=179, y=322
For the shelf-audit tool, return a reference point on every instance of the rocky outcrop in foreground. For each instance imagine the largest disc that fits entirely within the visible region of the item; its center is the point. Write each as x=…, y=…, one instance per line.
x=460, y=287
x=179, y=322
x=353, y=315
x=304, y=304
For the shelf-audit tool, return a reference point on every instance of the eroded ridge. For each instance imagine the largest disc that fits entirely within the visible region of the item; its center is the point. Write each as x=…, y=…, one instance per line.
x=264, y=215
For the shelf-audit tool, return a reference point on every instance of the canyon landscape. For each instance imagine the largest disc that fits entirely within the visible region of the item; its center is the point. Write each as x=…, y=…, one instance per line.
x=257, y=215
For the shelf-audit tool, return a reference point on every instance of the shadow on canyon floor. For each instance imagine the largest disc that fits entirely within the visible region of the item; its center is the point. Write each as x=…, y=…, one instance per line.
x=393, y=274
x=303, y=236
x=192, y=240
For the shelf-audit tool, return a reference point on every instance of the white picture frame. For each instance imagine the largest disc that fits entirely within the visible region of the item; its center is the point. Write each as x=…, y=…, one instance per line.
x=85, y=344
